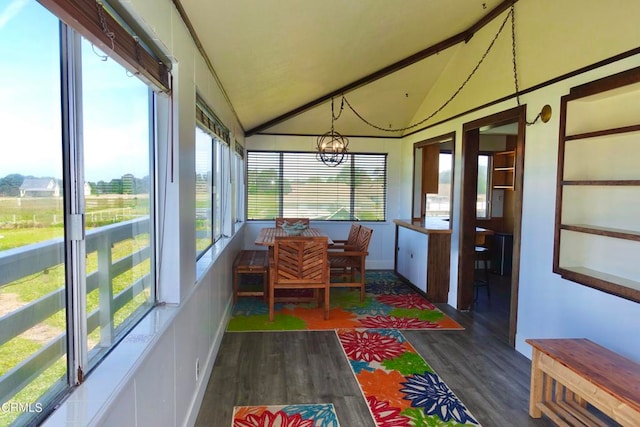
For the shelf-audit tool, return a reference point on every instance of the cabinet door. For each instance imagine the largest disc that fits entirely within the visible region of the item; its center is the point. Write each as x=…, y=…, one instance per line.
x=418, y=267
x=412, y=256
x=404, y=242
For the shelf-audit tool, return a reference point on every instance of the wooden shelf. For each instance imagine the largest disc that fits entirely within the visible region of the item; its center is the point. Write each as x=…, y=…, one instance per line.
x=599, y=140
x=604, y=132
x=607, y=282
x=504, y=168
x=603, y=182
x=617, y=233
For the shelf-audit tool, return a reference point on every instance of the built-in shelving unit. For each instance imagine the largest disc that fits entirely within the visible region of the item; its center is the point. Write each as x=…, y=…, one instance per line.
x=504, y=169
x=597, y=237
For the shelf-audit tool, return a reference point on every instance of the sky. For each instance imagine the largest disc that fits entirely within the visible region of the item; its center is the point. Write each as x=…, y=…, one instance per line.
x=115, y=103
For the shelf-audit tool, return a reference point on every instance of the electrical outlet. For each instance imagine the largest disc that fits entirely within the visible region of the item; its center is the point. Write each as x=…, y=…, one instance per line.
x=197, y=369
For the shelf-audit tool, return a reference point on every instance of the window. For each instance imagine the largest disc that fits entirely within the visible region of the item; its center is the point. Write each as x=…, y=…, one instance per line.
x=212, y=181
x=238, y=185
x=32, y=267
x=204, y=188
x=296, y=184
x=483, y=200
x=118, y=170
x=76, y=211
x=439, y=205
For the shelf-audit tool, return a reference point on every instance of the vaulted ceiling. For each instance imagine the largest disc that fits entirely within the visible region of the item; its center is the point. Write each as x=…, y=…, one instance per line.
x=281, y=62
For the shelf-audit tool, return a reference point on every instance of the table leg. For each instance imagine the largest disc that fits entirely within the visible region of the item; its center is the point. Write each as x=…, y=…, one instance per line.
x=535, y=395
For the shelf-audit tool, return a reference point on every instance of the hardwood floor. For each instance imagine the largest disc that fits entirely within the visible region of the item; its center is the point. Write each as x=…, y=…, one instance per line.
x=270, y=368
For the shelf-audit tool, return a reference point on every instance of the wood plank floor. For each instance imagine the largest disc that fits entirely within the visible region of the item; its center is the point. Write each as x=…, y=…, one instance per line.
x=269, y=368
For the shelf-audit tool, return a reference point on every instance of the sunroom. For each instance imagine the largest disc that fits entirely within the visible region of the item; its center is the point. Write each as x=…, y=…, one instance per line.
x=148, y=142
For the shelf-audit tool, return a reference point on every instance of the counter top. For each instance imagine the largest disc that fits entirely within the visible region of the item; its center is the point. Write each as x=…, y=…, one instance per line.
x=426, y=226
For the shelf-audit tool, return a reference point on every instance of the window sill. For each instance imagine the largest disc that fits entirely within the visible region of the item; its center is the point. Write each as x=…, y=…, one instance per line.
x=89, y=402
x=209, y=258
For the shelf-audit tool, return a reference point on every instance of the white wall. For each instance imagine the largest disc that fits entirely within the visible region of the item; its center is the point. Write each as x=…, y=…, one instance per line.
x=548, y=306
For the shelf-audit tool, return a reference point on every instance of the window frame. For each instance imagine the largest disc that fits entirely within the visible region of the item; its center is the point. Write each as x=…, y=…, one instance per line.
x=220, y=208
x=74, y=246
x=351, y=162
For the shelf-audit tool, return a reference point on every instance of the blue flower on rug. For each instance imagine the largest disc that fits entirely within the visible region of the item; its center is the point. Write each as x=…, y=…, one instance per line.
x=250, y=306
x=388, y=287
x=430, y=393
x=360, y=365
x=322, y=414
x=374, y=308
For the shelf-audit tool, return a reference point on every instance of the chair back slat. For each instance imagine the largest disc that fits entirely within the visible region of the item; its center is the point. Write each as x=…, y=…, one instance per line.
x=291, y=221
x=300, y=260
x=352, y=239
x=364, y=237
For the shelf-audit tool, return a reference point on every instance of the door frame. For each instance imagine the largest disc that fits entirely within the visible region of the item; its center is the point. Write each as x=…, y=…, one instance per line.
x=468, y=185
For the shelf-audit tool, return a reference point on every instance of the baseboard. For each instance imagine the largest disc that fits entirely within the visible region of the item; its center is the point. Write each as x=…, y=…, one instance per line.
x=196, y=403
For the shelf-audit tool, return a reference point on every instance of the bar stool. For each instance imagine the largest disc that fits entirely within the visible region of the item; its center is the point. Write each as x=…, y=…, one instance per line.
x=482, y=255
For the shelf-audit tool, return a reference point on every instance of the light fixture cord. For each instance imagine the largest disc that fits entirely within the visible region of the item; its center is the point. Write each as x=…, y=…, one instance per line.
x=448, y=101
x=515, y=66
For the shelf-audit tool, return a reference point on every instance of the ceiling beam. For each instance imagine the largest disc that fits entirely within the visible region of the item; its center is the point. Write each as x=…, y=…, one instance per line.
x=464, y=36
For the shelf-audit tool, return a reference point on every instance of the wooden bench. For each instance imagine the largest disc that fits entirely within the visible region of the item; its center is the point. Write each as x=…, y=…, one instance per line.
x=250, y=262
x=566, y=374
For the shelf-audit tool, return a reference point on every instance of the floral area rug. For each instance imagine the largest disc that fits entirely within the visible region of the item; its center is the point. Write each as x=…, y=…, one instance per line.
x=400, y=387
x=389, y=303
x=314, y=415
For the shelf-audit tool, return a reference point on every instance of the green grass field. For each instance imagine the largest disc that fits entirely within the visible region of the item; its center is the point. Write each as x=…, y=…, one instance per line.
x=28, y=221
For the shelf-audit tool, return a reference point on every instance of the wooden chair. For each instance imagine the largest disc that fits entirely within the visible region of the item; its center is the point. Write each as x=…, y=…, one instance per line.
x=350, y=242
x=300, y=263
x=348, y=263
x=291, y=221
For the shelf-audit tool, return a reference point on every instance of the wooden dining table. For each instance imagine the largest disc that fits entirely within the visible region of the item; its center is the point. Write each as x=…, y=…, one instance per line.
x=267, y=236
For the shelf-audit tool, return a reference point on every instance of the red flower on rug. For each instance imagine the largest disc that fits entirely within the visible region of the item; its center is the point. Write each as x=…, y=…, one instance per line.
x=370, y=347
x=391, y=322
x=385, y=415
x=270, y=419
x=406, y=301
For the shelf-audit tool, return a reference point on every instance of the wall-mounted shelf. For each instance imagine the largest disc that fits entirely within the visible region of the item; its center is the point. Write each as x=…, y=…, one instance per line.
x=597, y=236
x=504, y=169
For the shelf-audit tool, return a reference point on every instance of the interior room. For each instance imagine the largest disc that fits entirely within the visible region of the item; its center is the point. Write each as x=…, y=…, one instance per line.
x=475, y=160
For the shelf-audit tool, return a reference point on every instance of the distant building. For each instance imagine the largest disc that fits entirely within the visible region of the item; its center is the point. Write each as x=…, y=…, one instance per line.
x=39, y=187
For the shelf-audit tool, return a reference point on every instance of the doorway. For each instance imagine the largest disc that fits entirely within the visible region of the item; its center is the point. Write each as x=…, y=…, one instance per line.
x=469, y=205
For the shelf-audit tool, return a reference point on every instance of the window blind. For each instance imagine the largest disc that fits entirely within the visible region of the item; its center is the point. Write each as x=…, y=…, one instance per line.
x=98, y=25
x=210, y=123
x=297, y=184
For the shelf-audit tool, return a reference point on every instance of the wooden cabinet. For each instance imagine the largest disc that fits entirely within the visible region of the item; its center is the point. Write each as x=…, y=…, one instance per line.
x=597, y=235
x=504, y=169
x=422, y=257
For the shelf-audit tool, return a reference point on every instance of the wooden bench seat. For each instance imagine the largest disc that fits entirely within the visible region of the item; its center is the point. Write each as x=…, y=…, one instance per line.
x=250, y=262
x=566, y=374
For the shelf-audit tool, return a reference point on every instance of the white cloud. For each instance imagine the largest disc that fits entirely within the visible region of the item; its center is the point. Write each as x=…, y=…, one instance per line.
x=11, y=10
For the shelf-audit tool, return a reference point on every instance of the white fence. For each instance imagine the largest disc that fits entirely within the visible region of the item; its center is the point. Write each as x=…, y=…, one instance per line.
x=18, y=263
